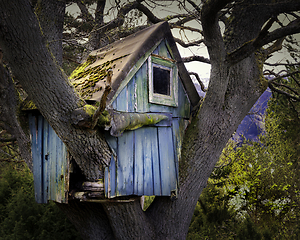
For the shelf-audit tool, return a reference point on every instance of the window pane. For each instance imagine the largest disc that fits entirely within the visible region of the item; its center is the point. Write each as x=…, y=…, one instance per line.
x=161, y=81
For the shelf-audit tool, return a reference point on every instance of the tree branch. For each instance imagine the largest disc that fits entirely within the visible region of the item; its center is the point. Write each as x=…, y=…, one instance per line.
x=196, y=58
x=173, y=25
x=195, y=6
x=262, y=39
x=183, y=21
x=190, y=44
x=199, y=81
x=281, y=64
x=119, y=20
x=211, y=30
x=45, y=83
x=284, y=76
x=8, y=139
x=152, y=18
x=85, y=14
x=276, y=46
x=271, y=86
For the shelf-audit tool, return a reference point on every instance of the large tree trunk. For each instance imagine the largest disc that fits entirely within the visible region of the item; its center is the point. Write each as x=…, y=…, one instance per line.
x=235, y=85
x=9, y=110
x=47, y=86
x=51, y=15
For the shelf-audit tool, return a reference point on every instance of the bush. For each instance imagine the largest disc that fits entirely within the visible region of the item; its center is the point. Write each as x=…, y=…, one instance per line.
x=21, y=217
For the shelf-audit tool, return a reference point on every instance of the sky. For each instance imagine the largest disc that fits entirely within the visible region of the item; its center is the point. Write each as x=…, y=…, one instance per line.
x=203, y=69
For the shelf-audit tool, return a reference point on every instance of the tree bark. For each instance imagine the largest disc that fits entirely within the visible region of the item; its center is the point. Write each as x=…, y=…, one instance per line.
x=51, y=14
x=10, y=111
x=48, y=87
x=233, y=89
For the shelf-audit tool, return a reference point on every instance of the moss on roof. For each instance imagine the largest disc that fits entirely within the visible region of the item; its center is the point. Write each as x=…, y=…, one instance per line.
x=90, y=78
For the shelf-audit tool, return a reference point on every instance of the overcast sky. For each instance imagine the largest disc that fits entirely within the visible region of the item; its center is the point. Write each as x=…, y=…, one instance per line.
x=202, y=69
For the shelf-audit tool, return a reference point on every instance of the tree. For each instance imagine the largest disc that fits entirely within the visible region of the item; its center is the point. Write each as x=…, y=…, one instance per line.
x=260, y=178
x=236, y=34
x=253, y=191
x=21, y=217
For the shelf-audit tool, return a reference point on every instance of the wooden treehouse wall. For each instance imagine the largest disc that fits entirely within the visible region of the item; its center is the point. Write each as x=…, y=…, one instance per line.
x=144, y=161
x=147, y=158
x=50, y=163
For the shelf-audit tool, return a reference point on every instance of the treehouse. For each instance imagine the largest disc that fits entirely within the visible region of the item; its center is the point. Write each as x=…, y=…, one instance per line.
x=143, y=85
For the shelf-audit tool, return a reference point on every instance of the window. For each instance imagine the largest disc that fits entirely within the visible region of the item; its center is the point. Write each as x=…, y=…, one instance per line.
x=163, y=81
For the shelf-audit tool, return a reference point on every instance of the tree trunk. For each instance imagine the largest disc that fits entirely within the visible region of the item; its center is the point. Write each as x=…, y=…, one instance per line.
x=234, y=87
x=48, y=87
x=9, y=110
x=51, y=15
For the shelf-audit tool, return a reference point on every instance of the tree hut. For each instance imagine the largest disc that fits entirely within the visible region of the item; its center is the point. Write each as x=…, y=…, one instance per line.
x=146, y=90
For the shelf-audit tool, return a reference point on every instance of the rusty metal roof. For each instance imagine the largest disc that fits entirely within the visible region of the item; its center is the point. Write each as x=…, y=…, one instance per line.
x=90, y=78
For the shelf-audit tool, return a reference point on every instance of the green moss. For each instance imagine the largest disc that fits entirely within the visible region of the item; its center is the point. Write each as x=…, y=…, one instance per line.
x=104, y=119
x=81, y=69
x=89, y=109
x=260, y=59
x=188, y=151
x=28, y=105
x=84, y=78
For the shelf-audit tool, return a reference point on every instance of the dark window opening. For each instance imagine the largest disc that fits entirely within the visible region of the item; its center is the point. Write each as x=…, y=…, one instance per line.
x=161, y=81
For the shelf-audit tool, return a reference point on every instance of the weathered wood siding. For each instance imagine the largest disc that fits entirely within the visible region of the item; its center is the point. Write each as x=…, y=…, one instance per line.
x=146, y=160
x=50, y=164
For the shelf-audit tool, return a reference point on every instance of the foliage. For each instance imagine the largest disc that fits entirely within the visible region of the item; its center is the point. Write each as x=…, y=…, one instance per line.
x=213, y=217
x=253, y=192
x=22, y=218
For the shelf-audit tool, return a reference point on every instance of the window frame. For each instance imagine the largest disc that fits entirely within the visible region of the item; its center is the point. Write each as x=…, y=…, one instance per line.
x=166, y=64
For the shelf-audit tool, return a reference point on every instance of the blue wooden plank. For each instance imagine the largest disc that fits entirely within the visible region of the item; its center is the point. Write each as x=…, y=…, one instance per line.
x=139, y=162
x=60, y=171
x=50, y=161
x=178, y=128
x=50, y=165
x=156, y=164
x=40, y=162
x=36, y=158
x=55, y=166
x=122, y=100
x=107, y=190
x=184, y=104
x=45, y=160
x=141, y=90
x=125, y=164
x=131, y=99
x=156, y=51
x=163, y=50
x=161, y=108
x=167, y=165
x=112, y=142
x=113, y=178
x=110, y=179
x=60, y=167
x=114, y=104
x=150, y=147
x=63, y=180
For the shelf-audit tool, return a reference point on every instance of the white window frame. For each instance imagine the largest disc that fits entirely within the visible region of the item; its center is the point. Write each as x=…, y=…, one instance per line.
x=170, y=65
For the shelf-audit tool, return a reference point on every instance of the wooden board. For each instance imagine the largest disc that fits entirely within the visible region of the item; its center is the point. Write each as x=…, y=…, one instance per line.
x=50, y=162
x=147, y=158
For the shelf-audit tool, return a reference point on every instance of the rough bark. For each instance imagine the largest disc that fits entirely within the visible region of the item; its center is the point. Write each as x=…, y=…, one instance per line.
x=48, y=87
x=95, y=37
x=234, y=87
x=9, y=112
x=51, y=14
x=90, y=218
